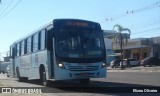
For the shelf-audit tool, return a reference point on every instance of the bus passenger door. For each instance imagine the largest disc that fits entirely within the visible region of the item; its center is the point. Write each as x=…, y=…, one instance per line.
x=52, y=56
x=12, y=62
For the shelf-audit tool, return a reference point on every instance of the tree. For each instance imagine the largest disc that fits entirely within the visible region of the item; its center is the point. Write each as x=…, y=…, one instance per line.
x=122, y=39
x=120, y=29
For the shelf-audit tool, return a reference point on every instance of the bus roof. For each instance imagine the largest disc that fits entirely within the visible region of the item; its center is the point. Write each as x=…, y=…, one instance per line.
x=46, y=26
x=64, y=23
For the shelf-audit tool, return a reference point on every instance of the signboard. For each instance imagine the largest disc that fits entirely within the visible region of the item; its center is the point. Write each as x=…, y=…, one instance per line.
x=75, y=23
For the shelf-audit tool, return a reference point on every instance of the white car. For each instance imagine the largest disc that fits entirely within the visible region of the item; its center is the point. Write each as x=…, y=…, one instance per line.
x=8, y=71
x=133, y=62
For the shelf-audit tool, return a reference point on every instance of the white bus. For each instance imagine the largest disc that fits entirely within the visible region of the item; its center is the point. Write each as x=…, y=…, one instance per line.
x=61, y=50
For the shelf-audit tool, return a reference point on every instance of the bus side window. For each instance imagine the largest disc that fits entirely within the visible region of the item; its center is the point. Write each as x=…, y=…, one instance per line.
x=18, y=49
x=11, y=52
x=25, y=46
x=42, y=39
x=15, y=50
x=39, y=40
x=22, y=47
x=29, y=45
x=35, y=42
x=32, y=43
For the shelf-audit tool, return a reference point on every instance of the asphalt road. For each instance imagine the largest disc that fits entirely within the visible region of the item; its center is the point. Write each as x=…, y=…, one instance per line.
x=114, y=79
x=137, y=79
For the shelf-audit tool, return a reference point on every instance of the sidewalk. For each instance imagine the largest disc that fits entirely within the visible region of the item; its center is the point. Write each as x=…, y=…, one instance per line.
x=135, y=69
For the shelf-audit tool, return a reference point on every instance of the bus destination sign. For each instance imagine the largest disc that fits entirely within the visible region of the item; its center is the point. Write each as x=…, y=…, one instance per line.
x=72, y=23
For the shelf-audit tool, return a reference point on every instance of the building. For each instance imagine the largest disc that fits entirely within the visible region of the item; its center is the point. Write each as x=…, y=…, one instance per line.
x=6, y=59
x=3, y=66
x=155, y=46
x=109, y=51
x=108, y=38
x=138, y=48
x=141, y=48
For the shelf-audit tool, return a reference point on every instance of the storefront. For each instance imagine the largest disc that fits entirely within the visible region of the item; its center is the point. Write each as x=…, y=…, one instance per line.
x=140, y=53
x=137, y=48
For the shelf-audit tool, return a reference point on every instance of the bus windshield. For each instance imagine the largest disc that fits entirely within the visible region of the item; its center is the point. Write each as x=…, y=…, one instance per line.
x=79, y=45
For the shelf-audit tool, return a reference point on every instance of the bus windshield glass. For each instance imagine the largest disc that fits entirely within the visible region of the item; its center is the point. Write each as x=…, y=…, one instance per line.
x=79, y=45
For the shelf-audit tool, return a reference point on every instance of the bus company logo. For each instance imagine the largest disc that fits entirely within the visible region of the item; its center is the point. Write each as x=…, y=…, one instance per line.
x=21, y=90
x=36, y=58
x=6, y=90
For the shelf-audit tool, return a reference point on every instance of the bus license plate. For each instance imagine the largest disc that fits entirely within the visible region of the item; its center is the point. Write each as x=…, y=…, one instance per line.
x=84, y=74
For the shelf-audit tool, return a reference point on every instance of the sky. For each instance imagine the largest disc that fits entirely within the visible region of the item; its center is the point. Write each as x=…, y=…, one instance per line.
x=21, y=17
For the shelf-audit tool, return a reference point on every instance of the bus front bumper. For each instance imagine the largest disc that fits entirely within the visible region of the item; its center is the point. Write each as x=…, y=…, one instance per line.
x=63, y=74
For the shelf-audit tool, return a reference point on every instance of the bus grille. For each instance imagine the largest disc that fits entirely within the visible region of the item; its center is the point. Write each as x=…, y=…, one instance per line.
x=83, y=68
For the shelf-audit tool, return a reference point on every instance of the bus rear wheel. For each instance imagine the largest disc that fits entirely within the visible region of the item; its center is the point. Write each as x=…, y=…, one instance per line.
x=43, y=79
x=18, y=75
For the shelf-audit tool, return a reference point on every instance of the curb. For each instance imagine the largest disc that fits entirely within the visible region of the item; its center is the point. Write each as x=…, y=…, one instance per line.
x=136, y=69
x=132, y=71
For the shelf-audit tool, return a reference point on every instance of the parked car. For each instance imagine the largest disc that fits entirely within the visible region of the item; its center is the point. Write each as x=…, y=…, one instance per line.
x=3, y=67
x=150, y=61
x=115, y=63
x=8, y=71
x=133, y=62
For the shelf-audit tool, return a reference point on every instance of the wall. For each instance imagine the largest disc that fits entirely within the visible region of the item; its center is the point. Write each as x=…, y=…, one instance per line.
x=109, y=51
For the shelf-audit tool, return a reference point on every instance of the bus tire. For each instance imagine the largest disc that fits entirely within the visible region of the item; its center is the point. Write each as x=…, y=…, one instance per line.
x=85, y=81
x=150, y=65
x=43, y=79
x=18, y=75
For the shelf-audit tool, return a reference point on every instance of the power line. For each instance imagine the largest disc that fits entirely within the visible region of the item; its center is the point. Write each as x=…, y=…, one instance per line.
x=157, y=4
x=157, y=28
x=6, y=8
x=151, y=34
x=157, y=33
x=147, y=25
x=10, y=9
x=4, y=5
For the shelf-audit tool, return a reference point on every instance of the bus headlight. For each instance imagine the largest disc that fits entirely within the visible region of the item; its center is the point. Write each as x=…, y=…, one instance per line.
x=61, y=65
x=103, y=64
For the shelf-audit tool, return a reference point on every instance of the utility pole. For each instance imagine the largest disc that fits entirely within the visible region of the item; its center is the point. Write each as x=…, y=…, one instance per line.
x=7, y=56
x=121, y=38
